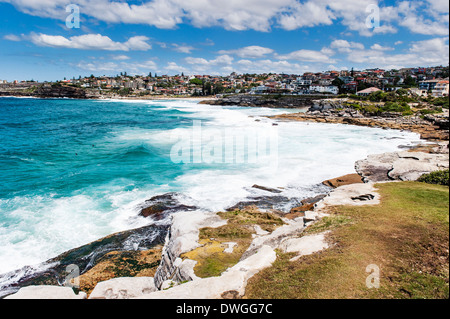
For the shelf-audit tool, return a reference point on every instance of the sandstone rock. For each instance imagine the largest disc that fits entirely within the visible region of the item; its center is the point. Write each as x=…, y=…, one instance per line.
x=234, y=279
x=182, y=238
x=123, y=288
x=400, y=166
x=305, y=245
x=46, y=292
x=343, y=180
x=350, y=195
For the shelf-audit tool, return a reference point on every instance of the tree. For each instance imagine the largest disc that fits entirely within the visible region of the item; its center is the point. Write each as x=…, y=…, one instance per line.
x=196, y=81
x=410, y=81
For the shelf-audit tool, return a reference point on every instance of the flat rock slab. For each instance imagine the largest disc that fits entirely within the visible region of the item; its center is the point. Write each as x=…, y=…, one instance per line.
x=400, y=166
x=233, y=280
x=47, y=292
x=353, y=195
x=305, y=245
x=123, y=288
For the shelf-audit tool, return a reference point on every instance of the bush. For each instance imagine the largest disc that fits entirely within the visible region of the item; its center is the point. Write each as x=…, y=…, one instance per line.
x=437, y=177
x=395, y=107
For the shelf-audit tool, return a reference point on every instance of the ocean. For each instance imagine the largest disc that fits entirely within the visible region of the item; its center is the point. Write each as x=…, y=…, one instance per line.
x=73, y=171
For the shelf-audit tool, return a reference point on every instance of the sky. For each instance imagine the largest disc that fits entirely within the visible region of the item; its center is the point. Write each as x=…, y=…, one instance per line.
x=48, y=40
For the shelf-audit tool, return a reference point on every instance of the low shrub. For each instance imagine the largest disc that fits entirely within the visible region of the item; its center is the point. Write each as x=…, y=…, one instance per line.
x=437, y=177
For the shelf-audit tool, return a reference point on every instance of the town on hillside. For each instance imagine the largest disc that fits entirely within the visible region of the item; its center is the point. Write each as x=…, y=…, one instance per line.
x=423, y=81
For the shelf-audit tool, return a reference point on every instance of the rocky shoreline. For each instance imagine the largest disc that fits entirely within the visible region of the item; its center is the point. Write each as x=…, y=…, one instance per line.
x=430, y=126
x=173, y=276
x=271, y=101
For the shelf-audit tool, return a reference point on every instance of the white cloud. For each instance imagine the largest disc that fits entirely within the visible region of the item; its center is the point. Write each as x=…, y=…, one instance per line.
x=182, y=48
x=222, y=59
x=378, y=47
x=249, y=52
x=307, y=56
x=114, y=67
x=12, y=37
x=91, y=42
x=260, y=15
x=428, y=52
x=121, y=57
x=269, y=66
x=346, y=46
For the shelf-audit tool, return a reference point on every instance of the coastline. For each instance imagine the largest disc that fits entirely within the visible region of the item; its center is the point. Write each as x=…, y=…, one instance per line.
x=259, y=256
x=297, y=223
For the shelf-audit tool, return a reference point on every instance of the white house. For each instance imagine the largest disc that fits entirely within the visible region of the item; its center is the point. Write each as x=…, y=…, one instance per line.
x=441, y=89
x=324, y=89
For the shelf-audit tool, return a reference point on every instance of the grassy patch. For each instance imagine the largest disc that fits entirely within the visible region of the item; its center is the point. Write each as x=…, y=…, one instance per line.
x=212, y=260
x=327, y=223
x=406, y=236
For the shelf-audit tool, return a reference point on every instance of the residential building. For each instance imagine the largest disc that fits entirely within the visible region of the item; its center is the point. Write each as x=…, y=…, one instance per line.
x=428, y=85
x=367, y=91
x=324, y=89
x=441, y=89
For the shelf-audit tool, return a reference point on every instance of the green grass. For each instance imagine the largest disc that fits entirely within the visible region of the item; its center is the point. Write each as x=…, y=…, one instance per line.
x=211, y=259
x=406, y=236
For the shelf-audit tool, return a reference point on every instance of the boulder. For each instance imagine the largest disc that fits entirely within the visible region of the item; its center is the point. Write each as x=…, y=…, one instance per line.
x=344, y=180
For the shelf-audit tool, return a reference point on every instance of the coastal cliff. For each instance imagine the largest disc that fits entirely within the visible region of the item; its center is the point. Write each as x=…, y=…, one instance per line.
x=51, y=91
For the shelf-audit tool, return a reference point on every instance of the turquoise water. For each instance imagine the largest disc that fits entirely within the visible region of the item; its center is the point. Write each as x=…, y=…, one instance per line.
x=73, y=171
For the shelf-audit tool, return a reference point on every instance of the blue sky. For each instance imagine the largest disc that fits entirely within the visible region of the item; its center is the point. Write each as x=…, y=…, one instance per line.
x=218, y=37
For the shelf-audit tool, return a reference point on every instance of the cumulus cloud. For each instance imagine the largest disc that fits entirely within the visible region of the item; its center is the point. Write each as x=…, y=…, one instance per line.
x=91, y=42
x=346, y=46
x=249, y=52
x=427, y=52
x=108, y=66
x=423, y=17
x=308, y=56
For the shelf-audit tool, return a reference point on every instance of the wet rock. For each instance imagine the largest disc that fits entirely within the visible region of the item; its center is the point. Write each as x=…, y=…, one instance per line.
x=54, y=271
x=160, y=206
x=266, y=203
x=267, y=189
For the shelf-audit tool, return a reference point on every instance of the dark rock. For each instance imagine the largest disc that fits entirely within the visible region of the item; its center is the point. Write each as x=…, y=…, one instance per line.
x=267, y=189
x=364, y=198
x=84, y=257
x=160, y=206
x=267, y=203
x=308, y=204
